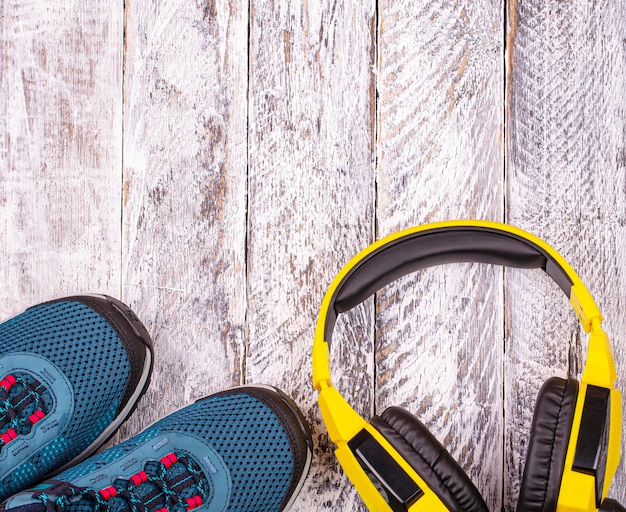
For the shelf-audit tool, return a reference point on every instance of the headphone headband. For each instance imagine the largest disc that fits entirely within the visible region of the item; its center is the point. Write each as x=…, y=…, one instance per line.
x=446, y=242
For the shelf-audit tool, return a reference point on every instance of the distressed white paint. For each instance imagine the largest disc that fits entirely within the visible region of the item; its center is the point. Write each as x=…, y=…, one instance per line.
x=440, y=154
x=60, y=150
x=264, y=146
x=566, y=181
x=184, y=194
x=311, y=198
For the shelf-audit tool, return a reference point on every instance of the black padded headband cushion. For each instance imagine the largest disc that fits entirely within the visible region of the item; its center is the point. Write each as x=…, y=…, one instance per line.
x=547, y=445
x=438, y=246
x=429, y=459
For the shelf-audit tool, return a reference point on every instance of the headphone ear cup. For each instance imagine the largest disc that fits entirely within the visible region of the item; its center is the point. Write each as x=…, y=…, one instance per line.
x=547, y=445
x=429, y=459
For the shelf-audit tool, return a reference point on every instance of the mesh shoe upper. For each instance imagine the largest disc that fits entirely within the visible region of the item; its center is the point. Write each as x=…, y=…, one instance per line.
x=73, y=371
x=245, y=450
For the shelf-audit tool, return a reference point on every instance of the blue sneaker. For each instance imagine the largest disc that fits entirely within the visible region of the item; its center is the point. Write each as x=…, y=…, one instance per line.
x=247, y=449
x=71, y=371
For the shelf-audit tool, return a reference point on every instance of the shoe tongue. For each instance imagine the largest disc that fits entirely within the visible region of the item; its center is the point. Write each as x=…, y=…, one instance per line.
x=23, y=401
x=147, y=492
x=30, y=507
x=23, y=502
x=26, y=502
x=178, y=484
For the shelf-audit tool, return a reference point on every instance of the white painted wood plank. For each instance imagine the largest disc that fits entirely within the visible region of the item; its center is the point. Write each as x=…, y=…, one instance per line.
x=185, y=195
x=440, y=156
x=311, y=205
x=60, y=150
x=566, y=147
x=316, y=144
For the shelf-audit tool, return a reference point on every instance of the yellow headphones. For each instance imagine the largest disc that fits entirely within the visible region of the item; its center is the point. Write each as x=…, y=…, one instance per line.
x=396, y=464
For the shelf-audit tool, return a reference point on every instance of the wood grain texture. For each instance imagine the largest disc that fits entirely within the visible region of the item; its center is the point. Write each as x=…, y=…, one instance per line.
x=254, y=147
x=60, y=150
x=311, y=199
x=184, y=194
x=566, y=183
x=440, y=156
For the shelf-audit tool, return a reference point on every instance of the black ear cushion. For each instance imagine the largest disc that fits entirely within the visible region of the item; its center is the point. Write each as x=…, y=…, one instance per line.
x=547, y=445
x=429, y=459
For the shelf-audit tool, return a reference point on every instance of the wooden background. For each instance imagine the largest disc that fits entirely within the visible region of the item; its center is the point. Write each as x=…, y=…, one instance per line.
x=215, y=163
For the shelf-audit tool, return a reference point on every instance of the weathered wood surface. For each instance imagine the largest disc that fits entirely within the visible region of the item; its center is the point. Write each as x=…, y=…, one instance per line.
x=264, y=145
x=440, y=154
x=184, y=194
x=60, y=150
x=566, y=142
x=311, y=193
